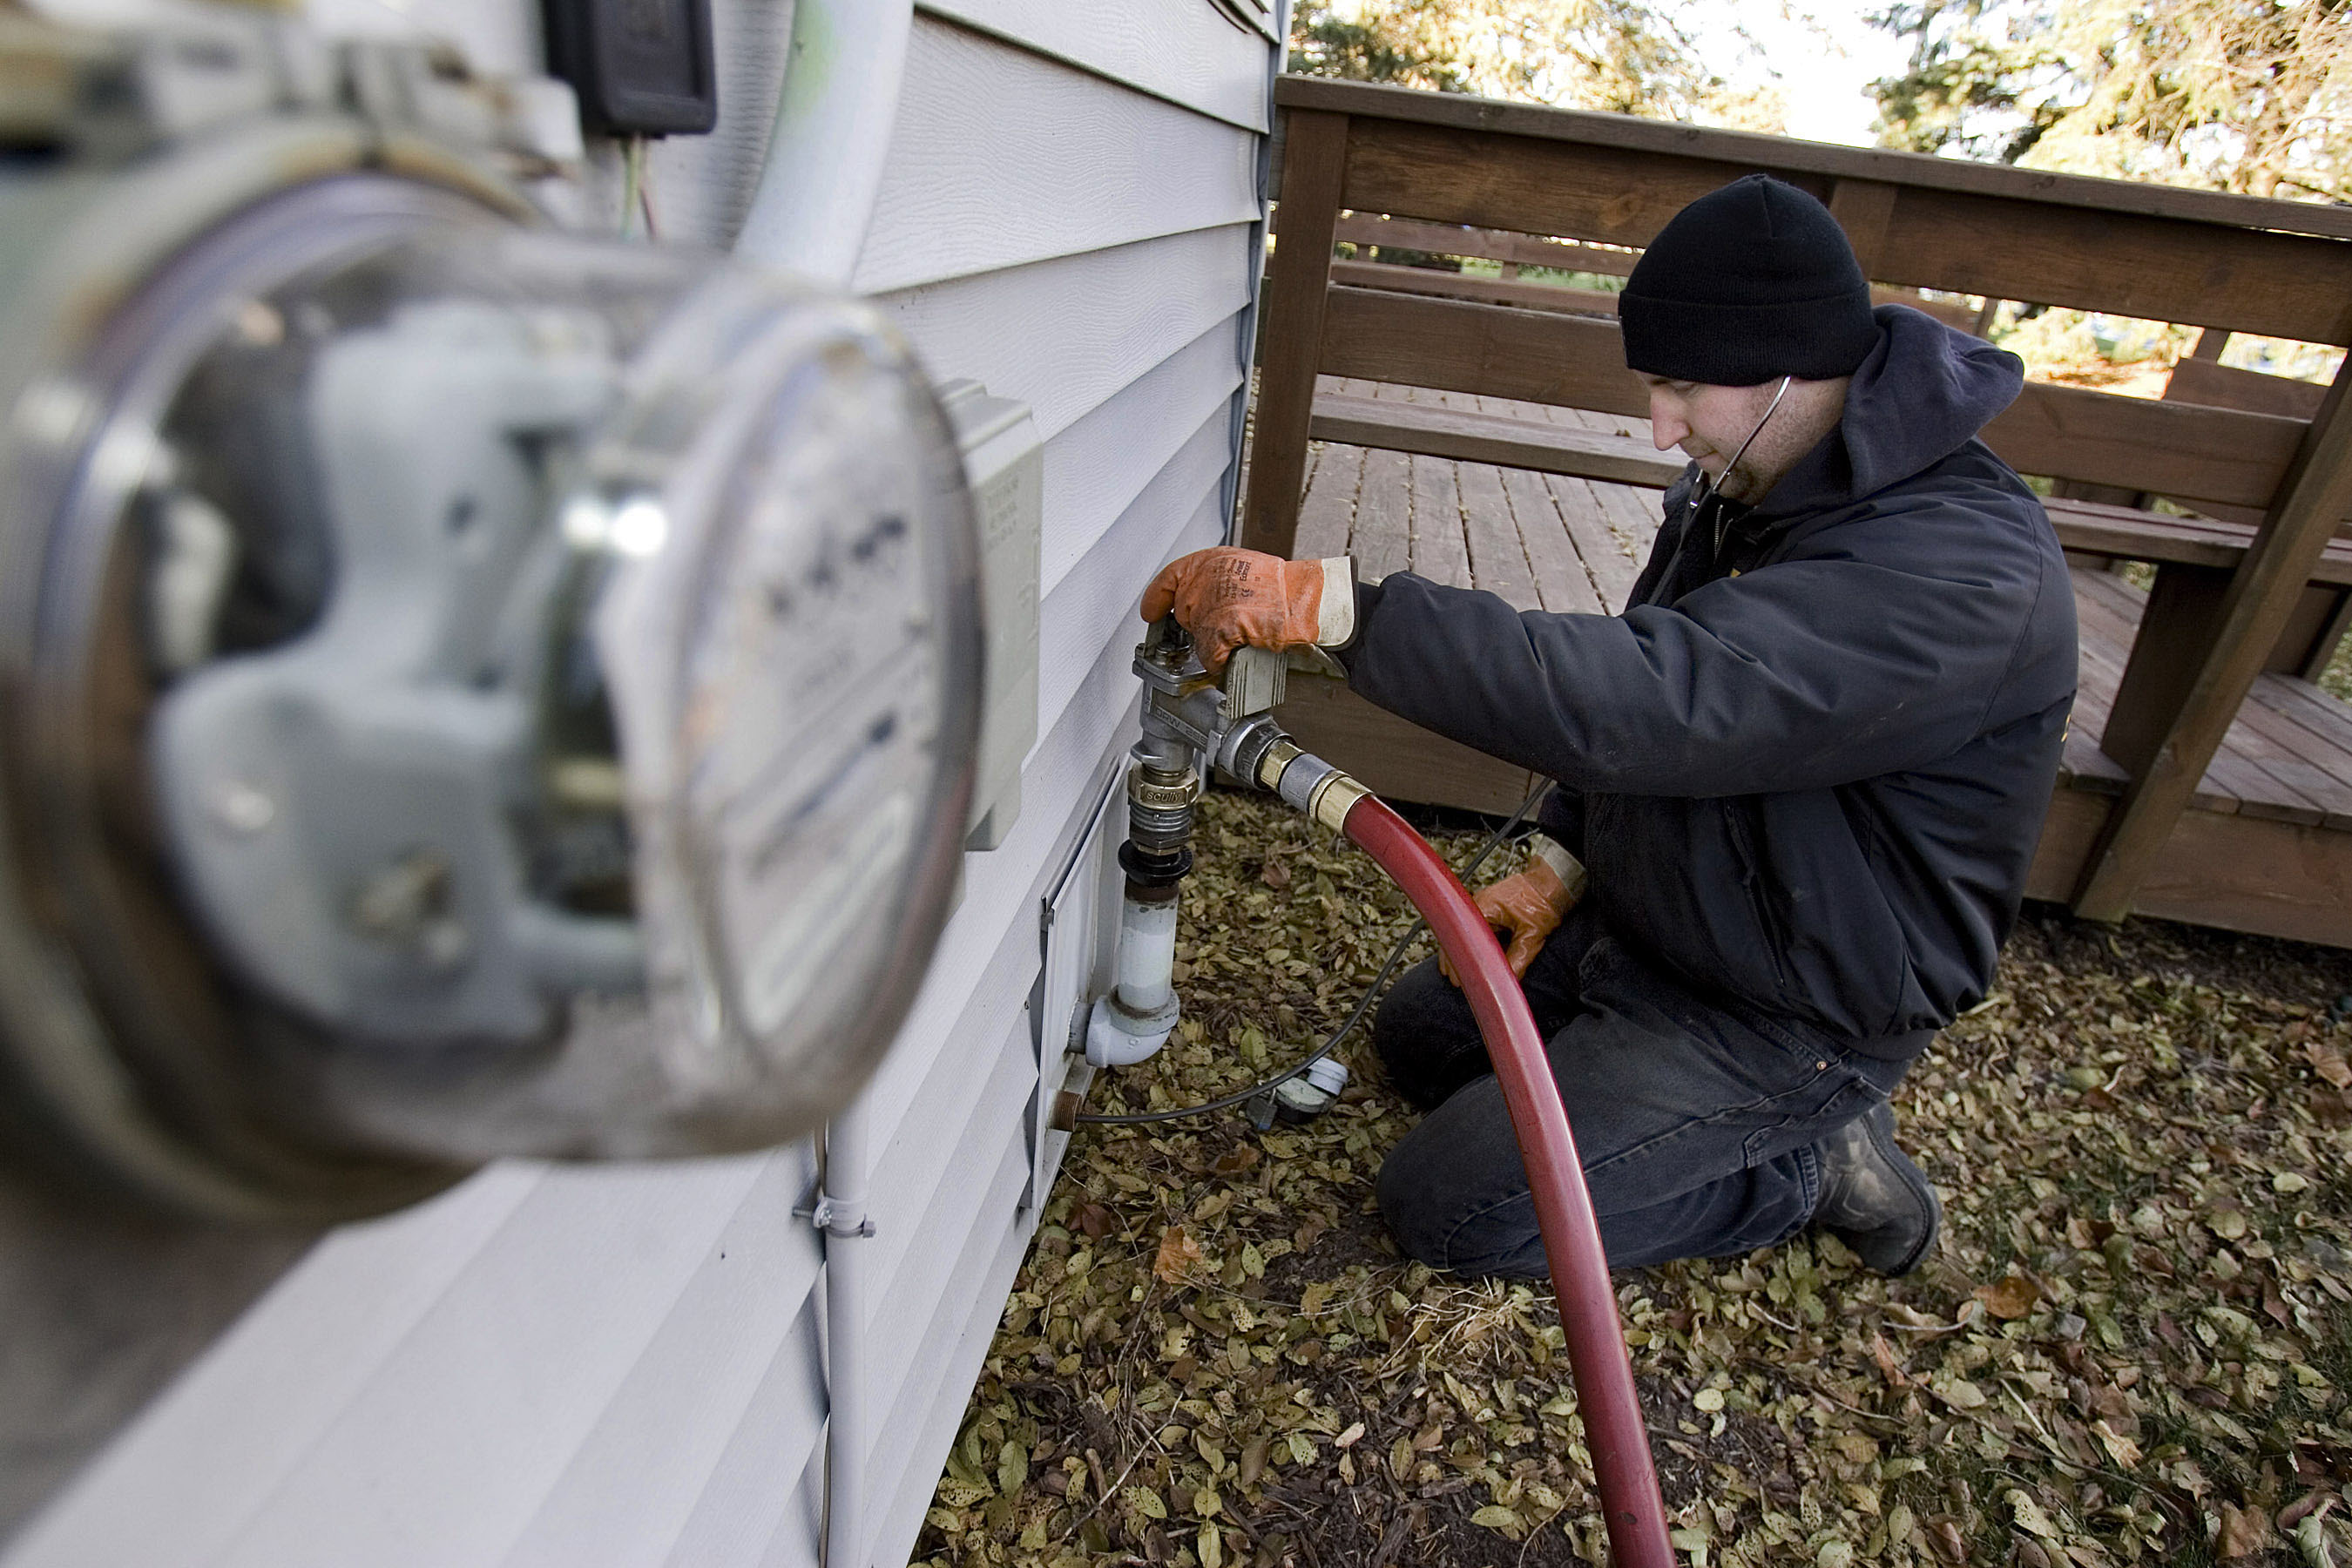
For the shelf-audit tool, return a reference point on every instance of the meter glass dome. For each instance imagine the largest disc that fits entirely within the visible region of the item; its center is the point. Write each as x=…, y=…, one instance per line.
x=489, y=693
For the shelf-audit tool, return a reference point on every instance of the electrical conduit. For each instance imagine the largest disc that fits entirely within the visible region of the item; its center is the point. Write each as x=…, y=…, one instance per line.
x=815, y=195
x=841, y=1220
x=809, y=214
x=1612, y=1410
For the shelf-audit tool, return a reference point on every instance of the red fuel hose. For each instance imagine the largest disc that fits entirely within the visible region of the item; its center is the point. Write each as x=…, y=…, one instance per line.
x=1612, y=1411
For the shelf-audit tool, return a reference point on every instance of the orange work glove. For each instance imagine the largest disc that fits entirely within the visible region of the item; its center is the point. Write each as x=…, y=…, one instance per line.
x=1528, y=905
x=1228, y=597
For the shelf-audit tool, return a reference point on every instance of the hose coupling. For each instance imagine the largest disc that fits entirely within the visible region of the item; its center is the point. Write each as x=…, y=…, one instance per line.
x=1243, y=749
x=1309, y=785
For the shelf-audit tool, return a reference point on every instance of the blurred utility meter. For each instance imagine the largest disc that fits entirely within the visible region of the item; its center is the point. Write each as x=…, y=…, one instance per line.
x=465, y=689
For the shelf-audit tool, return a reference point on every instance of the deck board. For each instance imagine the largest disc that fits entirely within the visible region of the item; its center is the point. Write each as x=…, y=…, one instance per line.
x=2315, y=717
x=1561, y=581
x=2328, y=782
x=1326, y=516
x=1381, y=540
x=1440, y=550
x=1498, y=562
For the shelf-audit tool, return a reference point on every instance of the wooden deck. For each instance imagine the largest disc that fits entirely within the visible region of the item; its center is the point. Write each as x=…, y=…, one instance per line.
x=2266, y=845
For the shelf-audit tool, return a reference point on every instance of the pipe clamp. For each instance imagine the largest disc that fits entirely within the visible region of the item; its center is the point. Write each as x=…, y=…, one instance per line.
x=823, y=1213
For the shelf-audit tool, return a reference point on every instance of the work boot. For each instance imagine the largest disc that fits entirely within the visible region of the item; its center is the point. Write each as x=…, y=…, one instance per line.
x=1872, y=1198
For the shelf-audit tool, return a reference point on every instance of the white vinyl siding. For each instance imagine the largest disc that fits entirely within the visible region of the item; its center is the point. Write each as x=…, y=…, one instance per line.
x=585, y=1366
x=1002, y=157
x=1187, y=53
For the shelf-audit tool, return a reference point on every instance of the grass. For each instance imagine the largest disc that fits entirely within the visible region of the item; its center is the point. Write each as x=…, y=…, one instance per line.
x=2134, y=1346
x=2337, y=678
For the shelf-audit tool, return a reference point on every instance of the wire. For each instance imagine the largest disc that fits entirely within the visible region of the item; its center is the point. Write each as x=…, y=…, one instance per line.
x=1347, y=1026
x=645, y=190
x=632, y=155
x=1714, y=486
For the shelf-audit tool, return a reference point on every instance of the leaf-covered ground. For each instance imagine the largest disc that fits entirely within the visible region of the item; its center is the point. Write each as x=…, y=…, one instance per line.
x=2134, y=1346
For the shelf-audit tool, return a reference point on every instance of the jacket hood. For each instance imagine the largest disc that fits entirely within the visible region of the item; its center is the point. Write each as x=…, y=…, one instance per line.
x=1921, y=393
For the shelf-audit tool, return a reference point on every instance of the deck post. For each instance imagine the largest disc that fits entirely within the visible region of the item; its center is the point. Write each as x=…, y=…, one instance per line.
x=2262, y=593
x=1307, y=214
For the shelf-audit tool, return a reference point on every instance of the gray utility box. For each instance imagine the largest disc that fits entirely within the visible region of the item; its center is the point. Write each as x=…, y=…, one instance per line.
x=1006, y=464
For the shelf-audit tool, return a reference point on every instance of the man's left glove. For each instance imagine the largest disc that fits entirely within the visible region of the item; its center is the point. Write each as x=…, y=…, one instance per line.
x=1228, y=597
x=1528, y=905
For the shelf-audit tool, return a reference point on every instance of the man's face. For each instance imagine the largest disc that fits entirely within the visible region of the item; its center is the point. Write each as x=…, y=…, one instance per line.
x=1710, y=423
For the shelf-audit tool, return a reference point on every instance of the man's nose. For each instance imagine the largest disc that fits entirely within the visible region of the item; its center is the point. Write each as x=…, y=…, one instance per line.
x=1666, y=427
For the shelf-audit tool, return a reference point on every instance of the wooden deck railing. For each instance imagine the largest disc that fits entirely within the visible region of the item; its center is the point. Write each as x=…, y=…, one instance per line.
x=1566, y=183
x=1512, y=251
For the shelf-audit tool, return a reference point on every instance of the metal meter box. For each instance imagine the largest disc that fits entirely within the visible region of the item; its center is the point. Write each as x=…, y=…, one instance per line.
x=1004, y=464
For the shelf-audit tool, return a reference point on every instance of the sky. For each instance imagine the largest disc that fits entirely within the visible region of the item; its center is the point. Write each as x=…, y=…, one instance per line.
x=1823, y=68
x=1822, y=56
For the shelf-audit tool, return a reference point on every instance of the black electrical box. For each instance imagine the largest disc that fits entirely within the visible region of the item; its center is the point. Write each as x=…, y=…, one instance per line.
x=642, y=67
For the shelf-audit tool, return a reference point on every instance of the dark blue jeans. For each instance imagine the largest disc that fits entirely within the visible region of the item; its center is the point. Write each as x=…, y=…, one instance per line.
x=1695, y=1119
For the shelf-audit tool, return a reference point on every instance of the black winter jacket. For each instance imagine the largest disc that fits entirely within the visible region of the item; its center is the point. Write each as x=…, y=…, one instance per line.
x=1809, y=773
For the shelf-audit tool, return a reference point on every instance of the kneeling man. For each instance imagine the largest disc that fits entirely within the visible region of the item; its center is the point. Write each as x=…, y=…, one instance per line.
x=1801, y=777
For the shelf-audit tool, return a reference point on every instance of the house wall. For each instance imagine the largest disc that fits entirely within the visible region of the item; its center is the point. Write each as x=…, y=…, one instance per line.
x=624, y=1364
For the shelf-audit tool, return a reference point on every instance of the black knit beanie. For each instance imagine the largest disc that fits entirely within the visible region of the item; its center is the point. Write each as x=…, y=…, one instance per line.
x=1748, y=283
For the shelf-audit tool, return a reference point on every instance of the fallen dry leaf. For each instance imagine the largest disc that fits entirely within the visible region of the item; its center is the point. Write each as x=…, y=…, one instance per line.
x=2244, y=1531
x=1241, y=1157
x=2187, y=1332
x=1253, y=1463
x=2120, y=1448
x=2328, y=1063
x=2011, y=1297
x=1180, y=1259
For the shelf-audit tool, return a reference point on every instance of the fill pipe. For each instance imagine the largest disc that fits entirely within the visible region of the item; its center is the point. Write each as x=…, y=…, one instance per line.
x=1612, y=1410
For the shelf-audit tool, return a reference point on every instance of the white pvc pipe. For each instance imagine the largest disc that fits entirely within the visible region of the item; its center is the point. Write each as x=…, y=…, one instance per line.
x=1147, y=954
x=840, y=100
x=1132, y=1023
x=848, y=1437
